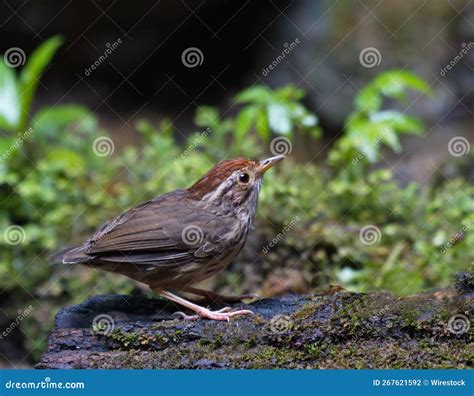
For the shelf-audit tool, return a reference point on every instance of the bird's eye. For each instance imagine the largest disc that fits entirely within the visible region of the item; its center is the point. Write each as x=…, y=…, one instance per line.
x=244, y=178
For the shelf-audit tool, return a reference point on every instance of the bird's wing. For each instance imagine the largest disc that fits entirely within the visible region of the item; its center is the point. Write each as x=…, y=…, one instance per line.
x=167, y=230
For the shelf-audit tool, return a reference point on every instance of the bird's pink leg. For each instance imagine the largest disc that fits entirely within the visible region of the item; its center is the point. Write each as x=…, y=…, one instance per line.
x=212, y=297
x=222, y=314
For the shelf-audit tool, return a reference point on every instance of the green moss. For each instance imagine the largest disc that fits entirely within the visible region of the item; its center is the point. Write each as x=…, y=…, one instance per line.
x=177, y=335
x=306, y=311
x=346, y=330
x=313, y=350
x=213, y=343
x=350, y=354
x=250, y=342
x=271, y=357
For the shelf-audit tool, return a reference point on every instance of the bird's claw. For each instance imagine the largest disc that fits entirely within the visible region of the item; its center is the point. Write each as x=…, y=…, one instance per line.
x=183, y=316
x=222, y=314
x=223, y=310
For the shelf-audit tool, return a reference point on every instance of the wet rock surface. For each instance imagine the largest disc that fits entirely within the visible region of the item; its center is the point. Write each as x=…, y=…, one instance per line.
x=336, y=329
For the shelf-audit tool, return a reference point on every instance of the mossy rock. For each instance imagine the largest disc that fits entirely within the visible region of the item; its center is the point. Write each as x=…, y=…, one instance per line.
x=329, y=330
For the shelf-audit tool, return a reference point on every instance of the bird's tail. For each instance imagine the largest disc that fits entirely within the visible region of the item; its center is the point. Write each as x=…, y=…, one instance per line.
x=70, y=255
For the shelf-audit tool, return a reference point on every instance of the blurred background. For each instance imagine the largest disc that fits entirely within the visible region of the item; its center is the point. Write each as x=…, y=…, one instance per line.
x=105, y=104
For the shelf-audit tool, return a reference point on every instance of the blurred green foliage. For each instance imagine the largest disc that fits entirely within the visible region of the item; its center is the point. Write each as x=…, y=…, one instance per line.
x=58, y=190
x=369, y=125
x=263, y=111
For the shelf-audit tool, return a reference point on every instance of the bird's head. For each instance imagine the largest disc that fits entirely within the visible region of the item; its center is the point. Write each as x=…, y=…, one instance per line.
x=234, y=184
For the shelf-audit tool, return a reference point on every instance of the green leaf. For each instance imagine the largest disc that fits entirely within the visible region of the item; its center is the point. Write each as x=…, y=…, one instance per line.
x=207, y=116
x=301, y=115
x=146, y=129
x=368, y=100
x=394, y=83
x=258, y=94
x=244, y=122
x=262, y=126
x=9, y=99
x=366, y=136
x=309, y=120
x=390, y=137
x=7, y=144
x=367, y=127
x=279, y=119
x=412, y=81
x=289, y=93
x=68, y=161
x=166, y=127
x=31, y=74
x=52, y=120
x=371, y=151
x=392, y=87
x=399, y=121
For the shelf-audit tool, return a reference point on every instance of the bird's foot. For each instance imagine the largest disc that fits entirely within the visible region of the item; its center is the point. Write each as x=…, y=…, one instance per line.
x=222, y=314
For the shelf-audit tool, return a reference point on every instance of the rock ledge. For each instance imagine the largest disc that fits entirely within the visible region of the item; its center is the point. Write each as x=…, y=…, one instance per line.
x=338, y=329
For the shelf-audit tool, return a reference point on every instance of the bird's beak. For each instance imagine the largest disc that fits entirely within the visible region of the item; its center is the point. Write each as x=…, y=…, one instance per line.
x=266, y=164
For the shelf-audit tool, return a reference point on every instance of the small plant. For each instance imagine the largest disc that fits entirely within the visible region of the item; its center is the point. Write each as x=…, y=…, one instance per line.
x=17, y=92
x=279, y=111
x=369, y=126
x=263, y=110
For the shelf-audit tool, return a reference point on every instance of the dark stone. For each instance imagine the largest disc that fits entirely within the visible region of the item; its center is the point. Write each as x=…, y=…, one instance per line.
x=465, y=282
x=330, y=330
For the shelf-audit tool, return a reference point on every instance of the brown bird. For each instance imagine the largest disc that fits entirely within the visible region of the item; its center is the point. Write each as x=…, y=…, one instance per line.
x=182, y=237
